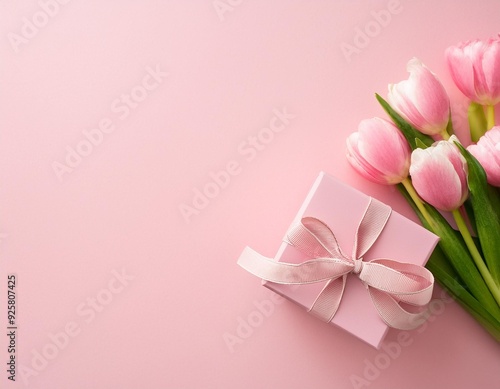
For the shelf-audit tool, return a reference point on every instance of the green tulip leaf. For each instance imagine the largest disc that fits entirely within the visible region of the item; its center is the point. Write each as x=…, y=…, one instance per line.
x=458, y=256
x=494, y=196
x=420, y=144
x=486, y=216
x=460, y=294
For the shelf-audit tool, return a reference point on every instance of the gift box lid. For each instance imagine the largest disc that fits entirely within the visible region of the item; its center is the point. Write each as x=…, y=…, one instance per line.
x=341, y=207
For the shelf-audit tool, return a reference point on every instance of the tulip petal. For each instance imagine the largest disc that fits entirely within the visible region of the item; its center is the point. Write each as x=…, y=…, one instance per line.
x=421, y=100
x=459, y=163
x=487, y=152
x=491, y=70
x=383, y=146
x=429, y=97
x=379, y=152
x=476, y=53
x=400, y=96
x=359, y=163
x=475, y=69
x=435, y=179
x=461, y=71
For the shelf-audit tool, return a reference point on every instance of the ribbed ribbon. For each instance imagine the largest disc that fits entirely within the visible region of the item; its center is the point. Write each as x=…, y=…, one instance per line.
x=389, y=282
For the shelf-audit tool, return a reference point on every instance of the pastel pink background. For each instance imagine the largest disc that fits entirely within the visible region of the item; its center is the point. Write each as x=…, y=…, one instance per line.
x=119, y=209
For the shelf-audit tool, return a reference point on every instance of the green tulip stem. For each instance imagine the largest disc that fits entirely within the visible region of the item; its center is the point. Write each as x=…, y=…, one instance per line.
x=418, y=202
x=444, y=134
x=490, y=116
x=478, y=260
x=477, y=121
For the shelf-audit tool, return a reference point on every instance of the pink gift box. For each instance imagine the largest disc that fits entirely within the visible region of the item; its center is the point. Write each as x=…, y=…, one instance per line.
x=341, y=207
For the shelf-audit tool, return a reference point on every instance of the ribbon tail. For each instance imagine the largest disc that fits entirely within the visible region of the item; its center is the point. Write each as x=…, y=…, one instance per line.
x=308, y=272
x=393, y=314
x=327, y=303
x=259, y=265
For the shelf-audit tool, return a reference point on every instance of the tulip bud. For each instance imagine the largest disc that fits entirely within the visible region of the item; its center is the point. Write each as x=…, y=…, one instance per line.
x=475, y=69
x=421, y=100
x=379, y=152
x=439, y=175
x=487, y=152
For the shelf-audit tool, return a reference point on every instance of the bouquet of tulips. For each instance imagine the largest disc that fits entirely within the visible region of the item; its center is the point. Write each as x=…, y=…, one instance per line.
x=437, y=174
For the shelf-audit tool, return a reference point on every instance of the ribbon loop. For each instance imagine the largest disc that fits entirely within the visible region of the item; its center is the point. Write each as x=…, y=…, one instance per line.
x=389, y=282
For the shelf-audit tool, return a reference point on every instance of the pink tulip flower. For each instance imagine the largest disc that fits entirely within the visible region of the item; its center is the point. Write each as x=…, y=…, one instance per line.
x=475, y=68
x=439, y=175
x=421, y=100
x=379, y=152
x=487, y=152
